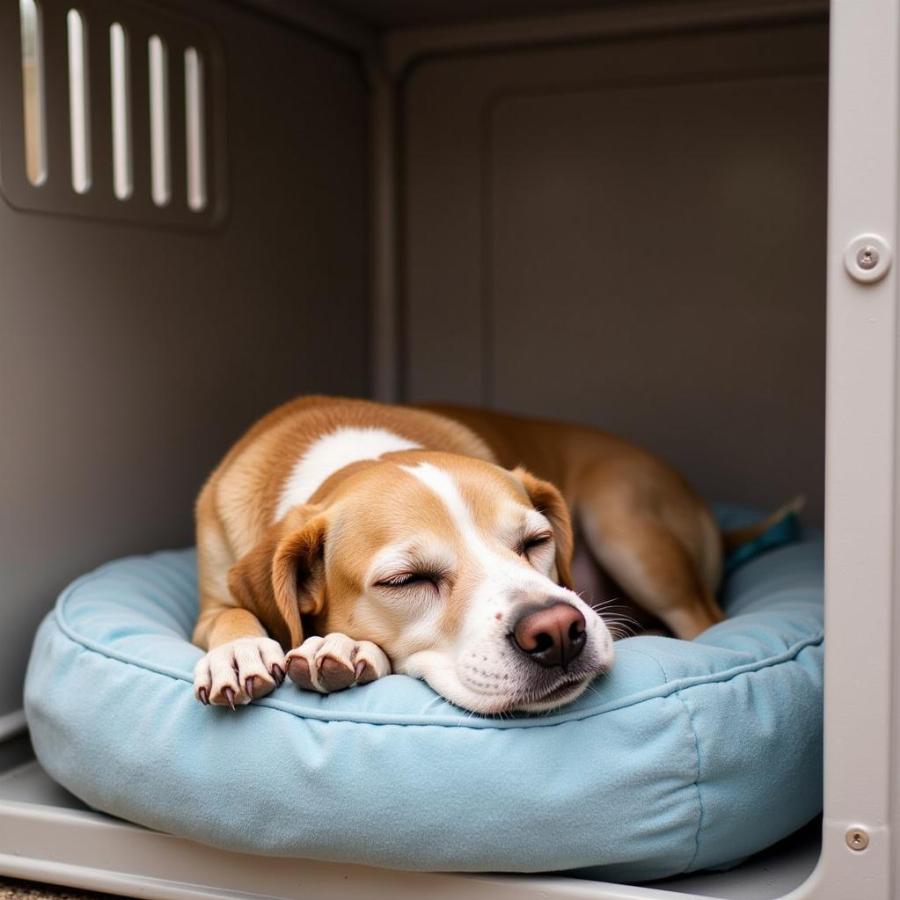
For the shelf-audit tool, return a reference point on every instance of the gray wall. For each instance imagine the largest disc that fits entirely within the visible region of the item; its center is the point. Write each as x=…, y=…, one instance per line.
x=631, y=235
x=130, y=357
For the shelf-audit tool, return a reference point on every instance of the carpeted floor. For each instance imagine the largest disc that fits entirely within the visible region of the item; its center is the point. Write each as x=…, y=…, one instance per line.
x=27, y=890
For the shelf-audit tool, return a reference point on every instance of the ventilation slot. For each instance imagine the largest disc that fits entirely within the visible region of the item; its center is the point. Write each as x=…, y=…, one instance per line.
x=160, y=162
x=195, y=129
x=35, y=119
x=79, y=94
x=120, y=93
x=119, y=116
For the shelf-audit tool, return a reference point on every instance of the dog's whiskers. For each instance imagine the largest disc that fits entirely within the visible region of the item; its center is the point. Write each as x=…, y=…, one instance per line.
x=609, y=603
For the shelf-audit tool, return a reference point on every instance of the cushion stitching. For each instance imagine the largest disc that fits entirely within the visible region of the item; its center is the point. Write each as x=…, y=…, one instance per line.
x=696, y=784
x=789, y=656
x=700, y=810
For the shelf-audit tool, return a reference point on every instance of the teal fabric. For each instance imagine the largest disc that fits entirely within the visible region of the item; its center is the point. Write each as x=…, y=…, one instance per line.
x=785, y=531
x=689, y=755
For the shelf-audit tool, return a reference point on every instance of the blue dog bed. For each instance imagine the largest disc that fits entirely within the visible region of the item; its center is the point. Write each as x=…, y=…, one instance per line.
x=688, y=756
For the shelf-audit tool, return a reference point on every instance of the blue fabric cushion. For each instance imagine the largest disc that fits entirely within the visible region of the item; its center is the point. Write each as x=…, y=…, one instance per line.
x=689, y=755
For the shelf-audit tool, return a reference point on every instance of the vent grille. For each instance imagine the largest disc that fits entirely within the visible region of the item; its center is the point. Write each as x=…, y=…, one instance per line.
x=111, y=109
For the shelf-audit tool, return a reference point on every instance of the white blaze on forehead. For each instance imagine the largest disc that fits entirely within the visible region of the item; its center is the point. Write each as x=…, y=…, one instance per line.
x=331, y=453
x=442, y=484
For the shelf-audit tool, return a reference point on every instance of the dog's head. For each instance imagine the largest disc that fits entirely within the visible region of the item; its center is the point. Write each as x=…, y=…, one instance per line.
x=457, y=568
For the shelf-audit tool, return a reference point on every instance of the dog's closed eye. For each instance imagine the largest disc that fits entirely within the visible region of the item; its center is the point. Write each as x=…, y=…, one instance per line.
x=534, y=542
x=411, y=579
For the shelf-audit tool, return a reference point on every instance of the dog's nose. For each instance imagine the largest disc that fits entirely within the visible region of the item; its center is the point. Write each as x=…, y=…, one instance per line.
x=551, y=637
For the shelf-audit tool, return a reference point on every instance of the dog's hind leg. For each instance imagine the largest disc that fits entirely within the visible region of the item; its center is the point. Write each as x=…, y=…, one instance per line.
x=657, y=541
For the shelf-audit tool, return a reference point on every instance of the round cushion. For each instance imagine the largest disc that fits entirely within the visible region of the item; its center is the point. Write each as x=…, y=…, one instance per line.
x=689, y=755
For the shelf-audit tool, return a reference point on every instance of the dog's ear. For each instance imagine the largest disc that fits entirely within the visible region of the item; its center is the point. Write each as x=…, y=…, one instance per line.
x=298, y=574
x=283, y=576
x=547, y=499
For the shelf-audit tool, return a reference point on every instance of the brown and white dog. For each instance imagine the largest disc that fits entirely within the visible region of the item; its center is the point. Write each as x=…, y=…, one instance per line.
x=340, y=540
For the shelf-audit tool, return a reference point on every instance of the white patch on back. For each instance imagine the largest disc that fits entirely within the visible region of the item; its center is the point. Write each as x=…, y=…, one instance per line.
x=331, y=453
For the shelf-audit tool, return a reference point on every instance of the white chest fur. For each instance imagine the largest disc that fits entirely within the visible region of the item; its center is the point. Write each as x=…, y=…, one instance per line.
x=329, y=454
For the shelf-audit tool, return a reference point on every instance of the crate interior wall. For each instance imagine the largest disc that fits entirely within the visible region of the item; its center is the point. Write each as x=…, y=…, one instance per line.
x=612, y=212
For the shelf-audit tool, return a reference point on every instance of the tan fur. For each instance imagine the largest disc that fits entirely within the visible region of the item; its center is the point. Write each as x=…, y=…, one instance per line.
x=641, y=520
x=375, y=490
x=235, y=508
x=547, y=499
x=303, y=574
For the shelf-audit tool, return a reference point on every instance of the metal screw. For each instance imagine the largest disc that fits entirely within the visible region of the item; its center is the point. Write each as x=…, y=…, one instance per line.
x=867, y=257
x=857, y=839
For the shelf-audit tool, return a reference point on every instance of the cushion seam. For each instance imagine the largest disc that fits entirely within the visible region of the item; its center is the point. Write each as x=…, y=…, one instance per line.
x=693, y=731
x=789, y=655
x=699, y=792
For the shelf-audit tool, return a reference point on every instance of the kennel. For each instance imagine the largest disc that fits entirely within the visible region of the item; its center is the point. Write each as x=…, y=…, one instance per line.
x=210, y=206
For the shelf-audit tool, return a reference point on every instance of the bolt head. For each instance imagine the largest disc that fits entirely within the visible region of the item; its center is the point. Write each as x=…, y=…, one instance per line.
x=857, y=839
x=867, y=257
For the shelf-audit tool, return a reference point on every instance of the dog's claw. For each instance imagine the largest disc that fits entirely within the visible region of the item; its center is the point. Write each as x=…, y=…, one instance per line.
x=277, y=674
x=335, y=662
x=238, y=672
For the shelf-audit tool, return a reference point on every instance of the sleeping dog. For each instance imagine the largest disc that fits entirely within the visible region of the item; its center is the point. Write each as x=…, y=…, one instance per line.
x=341, y=540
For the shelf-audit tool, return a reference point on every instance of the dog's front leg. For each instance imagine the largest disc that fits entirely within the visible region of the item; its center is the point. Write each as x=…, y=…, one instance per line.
x=335, y=662
x=243, y=662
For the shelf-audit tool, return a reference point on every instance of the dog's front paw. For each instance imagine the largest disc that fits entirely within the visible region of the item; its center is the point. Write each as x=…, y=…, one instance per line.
x=239, y=671
x=335, y=662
